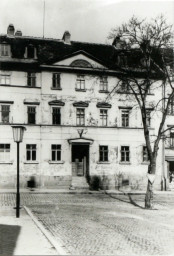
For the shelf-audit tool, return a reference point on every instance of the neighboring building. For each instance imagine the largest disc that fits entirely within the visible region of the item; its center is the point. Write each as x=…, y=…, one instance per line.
x=78, y=125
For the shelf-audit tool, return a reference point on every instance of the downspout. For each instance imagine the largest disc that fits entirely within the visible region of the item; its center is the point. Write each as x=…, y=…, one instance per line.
x=163, y=178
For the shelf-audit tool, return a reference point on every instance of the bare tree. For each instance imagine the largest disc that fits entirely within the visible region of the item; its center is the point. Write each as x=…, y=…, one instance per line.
x=150, y=41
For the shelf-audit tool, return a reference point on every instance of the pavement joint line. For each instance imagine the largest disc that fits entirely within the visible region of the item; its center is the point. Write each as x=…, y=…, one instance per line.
x=57, y=245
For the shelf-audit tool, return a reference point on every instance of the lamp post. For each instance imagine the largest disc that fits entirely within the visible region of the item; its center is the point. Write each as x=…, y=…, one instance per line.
x=18, y=132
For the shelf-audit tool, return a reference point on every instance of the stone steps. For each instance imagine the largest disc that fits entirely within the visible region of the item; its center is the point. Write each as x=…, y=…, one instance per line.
x=79, y=182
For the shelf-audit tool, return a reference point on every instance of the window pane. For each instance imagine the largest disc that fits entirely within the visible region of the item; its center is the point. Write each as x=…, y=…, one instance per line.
x=33, y=155
x=28, y=155
x=58, y=155
x=53, y=155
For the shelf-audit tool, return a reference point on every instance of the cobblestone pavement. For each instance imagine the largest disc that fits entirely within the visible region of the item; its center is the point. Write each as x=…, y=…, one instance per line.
x=102, y=224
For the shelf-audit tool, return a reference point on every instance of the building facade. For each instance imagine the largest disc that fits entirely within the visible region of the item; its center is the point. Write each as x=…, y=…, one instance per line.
x=81, y=122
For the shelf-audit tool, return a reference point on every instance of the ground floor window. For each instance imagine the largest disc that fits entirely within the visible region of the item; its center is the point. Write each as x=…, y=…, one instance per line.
x=55, y=152
x=145, y=154
x=4, y=152
x=31, y=152
x=103, y=153
x=125, y=154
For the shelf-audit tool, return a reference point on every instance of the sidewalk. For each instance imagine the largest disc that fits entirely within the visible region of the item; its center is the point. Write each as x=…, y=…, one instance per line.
x=84, y=191
x=21, y=236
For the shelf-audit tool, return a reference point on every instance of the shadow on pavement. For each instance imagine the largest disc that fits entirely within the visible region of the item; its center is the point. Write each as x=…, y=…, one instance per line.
x=129, y=201
x=8, y=238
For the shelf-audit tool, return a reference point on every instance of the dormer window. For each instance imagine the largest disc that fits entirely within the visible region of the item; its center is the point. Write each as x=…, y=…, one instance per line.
x=30, y=52
x=5, y=50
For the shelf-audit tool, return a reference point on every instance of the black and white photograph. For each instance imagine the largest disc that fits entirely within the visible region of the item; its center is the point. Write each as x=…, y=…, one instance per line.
x=86, y=127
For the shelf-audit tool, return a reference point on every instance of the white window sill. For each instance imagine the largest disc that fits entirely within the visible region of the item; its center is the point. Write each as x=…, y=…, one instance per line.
x=7, y=162
x=56, y=162
x=99, y=162
x=125, y=163
x=31, y=162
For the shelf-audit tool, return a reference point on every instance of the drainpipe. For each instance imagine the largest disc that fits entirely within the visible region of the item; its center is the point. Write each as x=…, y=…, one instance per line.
x=163, y=178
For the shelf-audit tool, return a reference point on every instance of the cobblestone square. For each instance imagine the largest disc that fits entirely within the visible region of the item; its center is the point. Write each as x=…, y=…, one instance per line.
x=100, y=224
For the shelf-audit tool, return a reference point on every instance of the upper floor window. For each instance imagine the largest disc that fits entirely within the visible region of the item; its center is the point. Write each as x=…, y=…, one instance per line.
x=4, y=152
x=103, y=83
x=171, y=107
x=31, y=152
x=103, y=117
x=5, y=113
x=31, y=79
x=125, y=154
x=103, y=153
x=56, y=115
x=5, y=50
x=125, y=113
x=148, y=117
x=5, y=78
x=31, y=115
x=55, y=152
x=80, y=82
x=145, y=154
x=171, y=139
x=30, y=52
x=124, y=87
x=56, y=81
x=80, y=116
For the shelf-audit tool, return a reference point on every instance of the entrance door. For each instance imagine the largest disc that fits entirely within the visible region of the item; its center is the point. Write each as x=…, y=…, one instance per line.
x=171, y=172
x=80, y=159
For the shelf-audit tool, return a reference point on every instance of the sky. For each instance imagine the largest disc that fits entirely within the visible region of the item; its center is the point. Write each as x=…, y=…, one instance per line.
x=86, y=20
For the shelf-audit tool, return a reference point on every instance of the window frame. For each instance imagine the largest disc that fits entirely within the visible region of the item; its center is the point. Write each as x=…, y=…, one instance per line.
x=145, y=154
x=103, y=84
x=80, y=83
x=104, y=117
x=125, y=117
x=7, y=111
x=31, y=79
x=5, y=50
x=6, y=79
x=6, y=153
x=31, y=149
x=125, y=158
x=56, y=81
x=56, y=117
x=57, y=150
x=31, y=113
x=80, y=116
x=103, y=153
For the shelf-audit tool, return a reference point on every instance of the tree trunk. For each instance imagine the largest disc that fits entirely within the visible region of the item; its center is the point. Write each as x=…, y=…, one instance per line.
x=149, y=192
x=149, y=196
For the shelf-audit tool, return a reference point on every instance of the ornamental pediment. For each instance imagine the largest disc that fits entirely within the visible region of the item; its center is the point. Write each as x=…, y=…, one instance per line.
x=81, y=104
x=103, y=105
x=56, y=103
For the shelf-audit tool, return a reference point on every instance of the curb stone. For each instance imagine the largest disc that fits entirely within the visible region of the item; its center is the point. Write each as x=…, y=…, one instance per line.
x=57, y=245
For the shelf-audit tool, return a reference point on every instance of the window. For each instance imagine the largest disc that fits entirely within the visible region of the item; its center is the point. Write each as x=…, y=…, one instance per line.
x=5, y=50
x=171, y=139
x=5, y=78
x=103, y=83
x=125, y=154
x=31, y=152
x=56, y=115
x=125, y=117
x=103, y=117
x=31, y=115
x=5, y=113
x=171, y=107
x=80, y=116
x=4, y=152
x=145, y=154
x=124, y=87
x=56, y=81
x=55, y=152
x=148, y=117
x=103, y=153
x=31, y=79
x=30, y=52
x=80, y=82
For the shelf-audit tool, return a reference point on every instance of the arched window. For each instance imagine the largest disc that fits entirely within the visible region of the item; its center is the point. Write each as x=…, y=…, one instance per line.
x=81, y=63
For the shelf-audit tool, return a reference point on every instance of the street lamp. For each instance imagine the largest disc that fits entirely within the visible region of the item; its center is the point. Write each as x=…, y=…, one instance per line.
x=18, y=132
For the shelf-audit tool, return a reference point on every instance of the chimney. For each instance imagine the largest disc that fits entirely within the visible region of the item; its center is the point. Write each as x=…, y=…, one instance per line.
x=66, y=37
x=18, y=33
x=10, y=30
